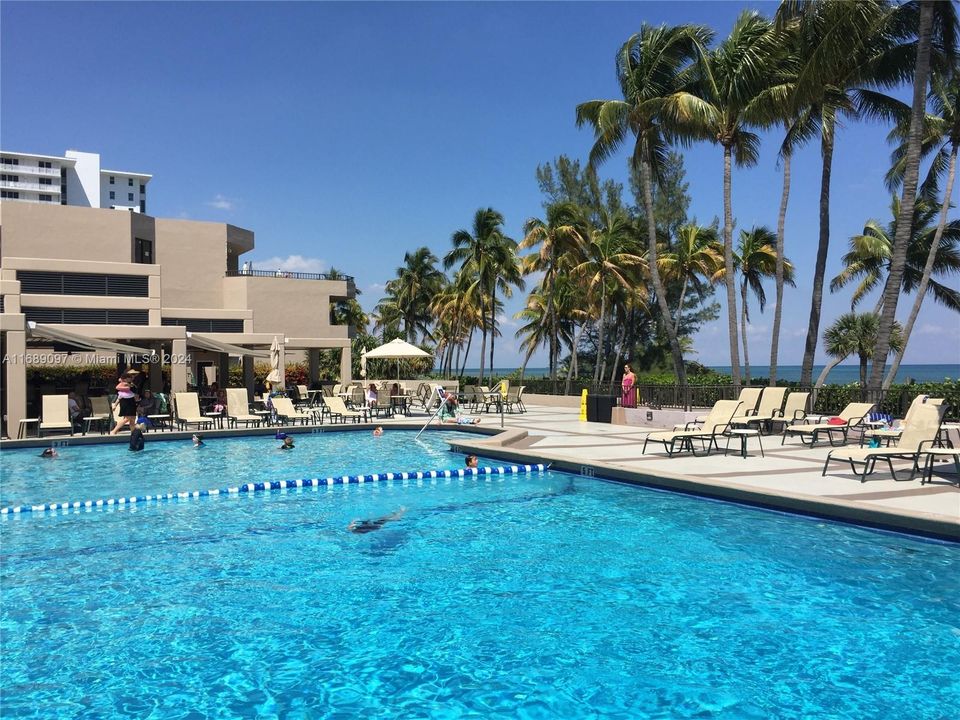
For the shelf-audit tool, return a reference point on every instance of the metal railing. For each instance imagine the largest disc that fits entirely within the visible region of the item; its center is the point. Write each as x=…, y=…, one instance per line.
x=287, y=274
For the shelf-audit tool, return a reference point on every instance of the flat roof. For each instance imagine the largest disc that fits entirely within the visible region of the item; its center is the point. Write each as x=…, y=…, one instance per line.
x=59, y=158
x=126, y=172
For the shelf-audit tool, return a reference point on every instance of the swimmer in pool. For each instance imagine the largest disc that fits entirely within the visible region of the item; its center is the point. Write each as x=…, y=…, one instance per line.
x=365, y=526
x=470, y=461
x=378, y=431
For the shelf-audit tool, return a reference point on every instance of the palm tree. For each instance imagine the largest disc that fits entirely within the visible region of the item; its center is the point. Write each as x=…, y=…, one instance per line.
x=650, y=68
x=729, y=79
x=854, y=334
x=840, y=45
x=417, y=283
x=694, y=256
x=610, y=259
x=560, y=238
x=942, y=132
x=488, y=261
x=755, y=260
x=868, y=260
x=947, y=27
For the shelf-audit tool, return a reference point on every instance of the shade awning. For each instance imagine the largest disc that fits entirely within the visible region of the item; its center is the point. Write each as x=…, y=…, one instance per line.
x=205, y=342
x=83, y=342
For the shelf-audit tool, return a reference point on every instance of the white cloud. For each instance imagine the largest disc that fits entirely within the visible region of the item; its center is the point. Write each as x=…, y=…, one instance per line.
x=939, y=330
x=291, y=263
x=222, y=203
x=378, y=287
x=757, y=329
x=504, y=320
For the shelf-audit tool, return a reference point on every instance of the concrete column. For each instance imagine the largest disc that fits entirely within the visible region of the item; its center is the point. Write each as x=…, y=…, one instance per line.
x=346, y=365
x=313, y=366
x=16, y=381
x=249, y=380
x=178, y=368
x=223, y=370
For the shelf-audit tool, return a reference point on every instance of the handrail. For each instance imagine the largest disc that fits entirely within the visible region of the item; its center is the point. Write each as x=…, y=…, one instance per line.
x=440, y=392
x=287, y=274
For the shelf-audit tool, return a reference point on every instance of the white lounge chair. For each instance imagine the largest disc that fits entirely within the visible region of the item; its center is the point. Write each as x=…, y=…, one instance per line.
x=715, y=423
x=339, y=409
x=55, y=415
x=238, y=409
x=771, y=400
x=795, y=409
x=893, y=434
x=285, y=409
x=919, y=435
x=188, y=411
x=100, y=413
x=748, y=402
x=852, y=416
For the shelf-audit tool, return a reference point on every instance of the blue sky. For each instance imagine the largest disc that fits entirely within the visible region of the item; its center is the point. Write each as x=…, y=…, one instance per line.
x=346, y=134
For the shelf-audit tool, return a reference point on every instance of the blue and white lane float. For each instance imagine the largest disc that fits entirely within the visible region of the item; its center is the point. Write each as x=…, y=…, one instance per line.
x=273, y=485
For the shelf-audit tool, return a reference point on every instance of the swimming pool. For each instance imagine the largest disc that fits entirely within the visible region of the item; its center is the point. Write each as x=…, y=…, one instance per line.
x=534, y=596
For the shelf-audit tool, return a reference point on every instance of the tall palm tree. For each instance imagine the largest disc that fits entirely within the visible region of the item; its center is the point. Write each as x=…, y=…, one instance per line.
x=868, y=260
x=507, y=273
x=854, y=334
x=942, y=138
x=694, y=257
x=651, y=67
x=483, y=254
x=611, y=259
x=755, y=260
x=945, y=13
x=418, y=281
x=841, y=46
x=729, y=80
x=560, y=238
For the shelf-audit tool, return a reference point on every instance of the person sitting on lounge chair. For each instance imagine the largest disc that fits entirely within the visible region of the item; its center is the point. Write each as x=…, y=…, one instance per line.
x=450, y=412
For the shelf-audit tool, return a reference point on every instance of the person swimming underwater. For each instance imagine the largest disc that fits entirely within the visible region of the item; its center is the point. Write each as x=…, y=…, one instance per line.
x=365, y=526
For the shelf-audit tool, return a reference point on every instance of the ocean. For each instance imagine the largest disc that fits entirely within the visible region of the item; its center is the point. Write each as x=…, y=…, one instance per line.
x=840, y=375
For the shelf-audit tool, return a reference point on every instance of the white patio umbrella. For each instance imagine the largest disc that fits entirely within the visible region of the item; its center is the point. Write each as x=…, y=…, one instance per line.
x=363, y=364
x=277, y=374
x=394, y=350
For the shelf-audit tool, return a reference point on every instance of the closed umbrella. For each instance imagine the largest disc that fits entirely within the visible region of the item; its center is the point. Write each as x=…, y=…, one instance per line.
x=277, y=375
x=363, y=364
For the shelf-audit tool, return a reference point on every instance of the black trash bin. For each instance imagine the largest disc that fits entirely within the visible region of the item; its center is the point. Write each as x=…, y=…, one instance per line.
x=604, y=408
x=591, y=408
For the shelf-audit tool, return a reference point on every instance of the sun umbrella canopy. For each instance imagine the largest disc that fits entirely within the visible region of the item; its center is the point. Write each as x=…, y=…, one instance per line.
x=397, y=350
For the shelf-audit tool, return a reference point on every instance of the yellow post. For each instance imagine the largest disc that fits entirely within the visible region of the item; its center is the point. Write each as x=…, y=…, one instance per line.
x=503, y=388
x=583, y=405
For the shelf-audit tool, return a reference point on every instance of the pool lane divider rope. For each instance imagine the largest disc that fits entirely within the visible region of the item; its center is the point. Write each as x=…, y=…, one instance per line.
x=275, y=485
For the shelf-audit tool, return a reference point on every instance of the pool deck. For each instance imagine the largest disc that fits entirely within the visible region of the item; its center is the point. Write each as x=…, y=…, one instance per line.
x=788, y=477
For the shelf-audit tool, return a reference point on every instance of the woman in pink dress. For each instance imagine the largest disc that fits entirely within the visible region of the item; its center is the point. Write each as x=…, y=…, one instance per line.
x=628, y=397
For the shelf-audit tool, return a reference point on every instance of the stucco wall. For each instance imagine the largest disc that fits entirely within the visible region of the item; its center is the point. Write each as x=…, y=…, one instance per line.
x=194, y=259
x=70, y=233
x=301, y=308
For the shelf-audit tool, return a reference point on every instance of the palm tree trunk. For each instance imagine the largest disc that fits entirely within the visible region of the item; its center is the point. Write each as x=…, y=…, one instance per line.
x=729, y=277
x=493, y=322
x=927, y=269
x=743, y=325
x=683, y=293
x=898, y=259
x=778, y=309
x=863, y=370
x=466, y=354
x=483, y=335
x=826, y=371
x=678, y=366
x=552, y=320
x=616, y=358
x=603, y=316
x=574, y=364
x=820, y=267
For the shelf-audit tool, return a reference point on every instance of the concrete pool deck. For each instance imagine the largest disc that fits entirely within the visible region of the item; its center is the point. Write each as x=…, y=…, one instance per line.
x=788, y=477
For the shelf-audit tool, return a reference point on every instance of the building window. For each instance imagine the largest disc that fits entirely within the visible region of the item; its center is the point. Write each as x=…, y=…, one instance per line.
x=45, y=181
x=143, y=188
x=130, y=197
x=130, y=182
x=9, y=194
x=143, y=206
x=41, y=282
x=142, y=251
x=113, y=180
x=10, y=178
x=45, y=164
x=46, y=198
x=113, y=195
x=9, y=161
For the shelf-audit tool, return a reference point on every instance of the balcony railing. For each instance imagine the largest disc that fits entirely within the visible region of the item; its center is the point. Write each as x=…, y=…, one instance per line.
x=29, y=170
x=32, y=187
x=287, y=274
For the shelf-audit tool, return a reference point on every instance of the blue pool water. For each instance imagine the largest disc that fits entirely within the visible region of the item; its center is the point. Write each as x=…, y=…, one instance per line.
x=536, y=596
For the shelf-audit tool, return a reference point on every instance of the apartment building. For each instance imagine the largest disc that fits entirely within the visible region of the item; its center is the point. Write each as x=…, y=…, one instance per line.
x=100, y=281
x=75, y=178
